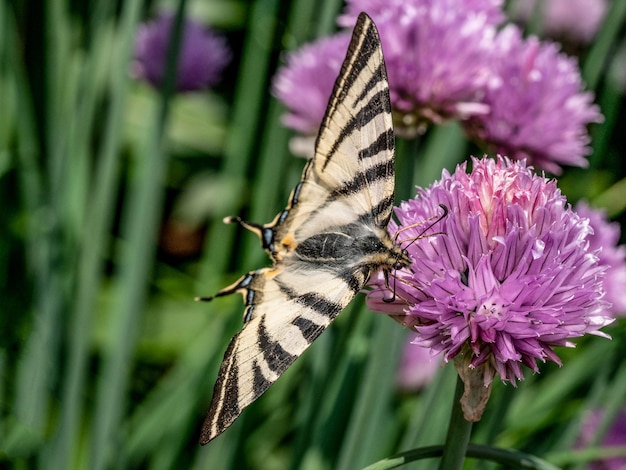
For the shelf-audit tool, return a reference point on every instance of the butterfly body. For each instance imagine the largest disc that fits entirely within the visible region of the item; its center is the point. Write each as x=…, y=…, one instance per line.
x=325, y=244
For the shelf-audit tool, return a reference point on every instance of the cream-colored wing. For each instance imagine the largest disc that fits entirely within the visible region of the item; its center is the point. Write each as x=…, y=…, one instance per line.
x=354, y=154
x=286, y=310
x=351, y=177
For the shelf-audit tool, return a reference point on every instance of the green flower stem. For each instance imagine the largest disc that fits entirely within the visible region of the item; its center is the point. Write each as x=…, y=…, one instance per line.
x=459, y=431
x=508, y=458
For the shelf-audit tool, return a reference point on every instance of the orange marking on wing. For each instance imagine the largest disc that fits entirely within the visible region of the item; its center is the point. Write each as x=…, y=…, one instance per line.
x=289, y=242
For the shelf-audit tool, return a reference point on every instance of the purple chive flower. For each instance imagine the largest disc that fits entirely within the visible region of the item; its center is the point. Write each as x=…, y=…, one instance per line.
x=506, y=276
x=538, y=110
x=572, y=20
x=436, y=52
x=605, y=238
x=305, y=83
x=615, y=436
x=202, y=57
x=383, y=10
x=417, y=367
x=437, y=56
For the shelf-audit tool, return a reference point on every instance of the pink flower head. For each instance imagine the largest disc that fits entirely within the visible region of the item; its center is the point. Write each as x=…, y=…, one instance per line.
x=437, y=55
x=383, y=10
x=202, y=56
x=305, y=83
x=506, y=276
x=537, y=109
x=605, y=239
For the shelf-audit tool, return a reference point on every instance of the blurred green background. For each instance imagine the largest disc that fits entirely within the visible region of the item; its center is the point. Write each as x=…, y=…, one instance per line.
x=112, y=196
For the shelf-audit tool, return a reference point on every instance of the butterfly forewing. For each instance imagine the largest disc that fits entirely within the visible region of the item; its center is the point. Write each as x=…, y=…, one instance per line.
x=353, y=160
x=327, y=241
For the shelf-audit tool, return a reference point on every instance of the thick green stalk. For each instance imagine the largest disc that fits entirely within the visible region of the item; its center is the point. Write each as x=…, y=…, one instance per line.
x=459, y=431
x=604, y=45
x=34, y=371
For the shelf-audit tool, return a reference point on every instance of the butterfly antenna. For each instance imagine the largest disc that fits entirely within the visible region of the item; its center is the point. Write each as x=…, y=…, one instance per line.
x=203, y=299
x=439, y=218
x=431, y=225
x=252, y=226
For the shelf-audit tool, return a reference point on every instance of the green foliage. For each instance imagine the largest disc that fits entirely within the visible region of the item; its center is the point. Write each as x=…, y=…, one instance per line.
x=113, y=195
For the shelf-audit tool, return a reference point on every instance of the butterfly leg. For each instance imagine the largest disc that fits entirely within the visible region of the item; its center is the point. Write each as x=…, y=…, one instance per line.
x=250, y=286
x=264, y=232
x=393, y=297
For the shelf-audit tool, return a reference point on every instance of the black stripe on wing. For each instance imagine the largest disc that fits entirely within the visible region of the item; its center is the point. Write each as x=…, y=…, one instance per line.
x=381, y=213
x=377, y=105
x=313, y=300
x=360, y=182
x=383, y=143
x=378, y=78
x=365, y=43
x=276, y=358
x=364, y=179
x=320, y=304
x=224, y=407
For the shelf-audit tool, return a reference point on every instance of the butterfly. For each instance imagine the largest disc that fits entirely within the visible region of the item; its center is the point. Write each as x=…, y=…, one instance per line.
x=325, y=244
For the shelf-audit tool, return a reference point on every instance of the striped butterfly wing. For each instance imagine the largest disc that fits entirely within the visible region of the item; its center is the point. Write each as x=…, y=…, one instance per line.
x=288, y=318
x=345, y=193
x=352, y=173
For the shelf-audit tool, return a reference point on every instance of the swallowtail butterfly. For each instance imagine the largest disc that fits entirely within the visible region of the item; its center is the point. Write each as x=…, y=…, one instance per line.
x=327, y=242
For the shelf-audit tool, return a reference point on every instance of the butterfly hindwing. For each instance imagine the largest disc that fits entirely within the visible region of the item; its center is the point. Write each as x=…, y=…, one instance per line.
x=325, y=244
x=284, y=316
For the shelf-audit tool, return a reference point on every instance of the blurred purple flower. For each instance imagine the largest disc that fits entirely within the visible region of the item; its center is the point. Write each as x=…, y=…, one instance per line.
x=417, y=367
x=202, y=57
x=306, y=81
x=605, y=237
x=615, y=436
x=437, y=56
x=571, y=20
x=507, y=276
x=436, y=52
x=383, y=10
x=446, y=60
x=538, y=110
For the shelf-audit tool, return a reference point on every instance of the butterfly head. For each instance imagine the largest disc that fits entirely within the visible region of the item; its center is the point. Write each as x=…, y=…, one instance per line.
x=403, y=260
x=385, y=253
